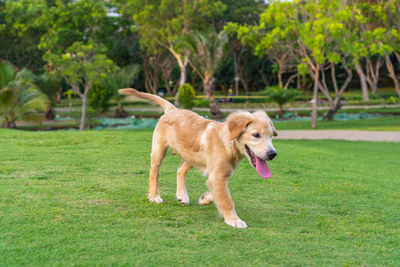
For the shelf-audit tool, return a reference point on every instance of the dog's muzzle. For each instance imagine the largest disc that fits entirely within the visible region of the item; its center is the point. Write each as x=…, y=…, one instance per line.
x=271, y=154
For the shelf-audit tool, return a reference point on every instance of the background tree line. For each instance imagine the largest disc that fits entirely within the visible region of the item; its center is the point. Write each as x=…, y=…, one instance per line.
x=92, y=47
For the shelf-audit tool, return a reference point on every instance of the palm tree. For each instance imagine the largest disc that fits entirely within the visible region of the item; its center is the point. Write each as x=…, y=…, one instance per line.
x=50, y=84
x=281, y=96
x=20, y=98
x=121, y=78
x=207, y=50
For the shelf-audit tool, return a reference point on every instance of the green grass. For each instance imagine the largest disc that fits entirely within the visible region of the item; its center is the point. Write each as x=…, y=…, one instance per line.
x=72, y=198
x=377, y=124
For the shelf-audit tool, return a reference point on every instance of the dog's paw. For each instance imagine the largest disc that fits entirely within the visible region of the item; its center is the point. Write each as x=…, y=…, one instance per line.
x=183, y=198
x=206, y=199
x=155, y=199
x=236, y=223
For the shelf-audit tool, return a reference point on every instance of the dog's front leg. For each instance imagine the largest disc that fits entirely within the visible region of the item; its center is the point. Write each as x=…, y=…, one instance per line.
x=218, y=186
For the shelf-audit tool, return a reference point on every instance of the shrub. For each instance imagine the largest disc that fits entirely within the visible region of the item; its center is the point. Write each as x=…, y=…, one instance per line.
x=20, y=98
x=99, y=97
x=202, y=103
x=186, y=96
x=281, y=96
x=392, y=100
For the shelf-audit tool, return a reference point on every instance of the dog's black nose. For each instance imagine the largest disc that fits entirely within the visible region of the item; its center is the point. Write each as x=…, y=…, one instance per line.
x=271, y=154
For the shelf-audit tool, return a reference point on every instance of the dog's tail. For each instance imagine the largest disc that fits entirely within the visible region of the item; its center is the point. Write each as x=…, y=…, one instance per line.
x=153, y=98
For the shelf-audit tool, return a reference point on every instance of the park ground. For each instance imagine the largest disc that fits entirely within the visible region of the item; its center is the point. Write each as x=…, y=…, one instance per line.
x=73, y=198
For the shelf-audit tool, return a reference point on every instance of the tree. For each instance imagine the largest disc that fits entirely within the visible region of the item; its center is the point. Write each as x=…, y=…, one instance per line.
x=50, y=84
x=368, y=43
x=392, y=41
x=207, y=50
x=81, y=66
x=20, y=98
x=241, y=12
x=281, y=96
x=167, y=65
x=74, y=47
x=121, y=78
x=315, y=34
x=160, y=23
x=20, y=32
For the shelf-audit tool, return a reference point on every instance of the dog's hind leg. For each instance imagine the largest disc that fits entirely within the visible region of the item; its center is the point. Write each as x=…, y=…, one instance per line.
x=158, y=152
x=206, y=199
x=181, y=192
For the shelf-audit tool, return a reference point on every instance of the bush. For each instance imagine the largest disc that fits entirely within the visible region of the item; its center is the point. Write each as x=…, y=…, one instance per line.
x=392, y=100
x=352, y=97
x=99, y=98
x=202, y=103
x=186, y=96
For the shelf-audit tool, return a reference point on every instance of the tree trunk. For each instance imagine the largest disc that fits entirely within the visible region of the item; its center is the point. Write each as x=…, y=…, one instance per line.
x=120, y=111
x=281, y=111
x=373, y=74
x=209, y=86
x=182, y=79
x=243, y=79
x=315, y=98
x=286, y=86
x=363, y=81
x=336, y=104
x=235, y=65
x=9, y=124
x=280, y=81
x=58, y=96
x=83, y=114
x=333, y=109
x=50, y=114
x=392, y=74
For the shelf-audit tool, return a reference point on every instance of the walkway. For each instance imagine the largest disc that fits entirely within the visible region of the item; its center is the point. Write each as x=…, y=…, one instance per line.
x=351, y=135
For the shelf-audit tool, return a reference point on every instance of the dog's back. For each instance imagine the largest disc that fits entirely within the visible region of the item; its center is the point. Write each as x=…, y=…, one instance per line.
x=184, y=129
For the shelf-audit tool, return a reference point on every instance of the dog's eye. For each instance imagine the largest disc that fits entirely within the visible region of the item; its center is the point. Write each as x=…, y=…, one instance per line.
x=256, y=135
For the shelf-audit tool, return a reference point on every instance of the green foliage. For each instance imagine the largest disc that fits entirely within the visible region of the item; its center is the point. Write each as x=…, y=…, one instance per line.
x=121, y=78
x=69, y=94
x=7, y=74
x=186, y=96
x=202, y=103
x=165, y=21
x=73, y=21
x=99, y=97
x=280, y=95
x=49, y=83
x=82, y=64
x=20, y=98
x=392, y=100
x=207, y=49
x=21, y=32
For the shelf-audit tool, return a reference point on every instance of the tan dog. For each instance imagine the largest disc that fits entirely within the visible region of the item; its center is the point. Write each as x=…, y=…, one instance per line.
x=215, y=148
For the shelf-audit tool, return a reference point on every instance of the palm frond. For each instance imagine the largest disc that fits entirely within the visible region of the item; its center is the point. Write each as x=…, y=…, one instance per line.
x=6, y=74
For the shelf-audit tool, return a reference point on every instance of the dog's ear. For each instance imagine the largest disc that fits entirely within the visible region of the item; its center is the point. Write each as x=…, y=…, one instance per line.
x=237, y=123
x=274, y=132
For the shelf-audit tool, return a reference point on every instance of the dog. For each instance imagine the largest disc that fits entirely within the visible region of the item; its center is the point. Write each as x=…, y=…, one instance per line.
x=215, y=148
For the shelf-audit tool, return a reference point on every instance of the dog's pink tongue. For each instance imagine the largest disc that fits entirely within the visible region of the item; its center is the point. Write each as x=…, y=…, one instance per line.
x=262, y=168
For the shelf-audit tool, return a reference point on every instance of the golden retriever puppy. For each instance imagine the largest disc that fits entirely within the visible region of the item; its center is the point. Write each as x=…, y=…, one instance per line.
x=215, y=148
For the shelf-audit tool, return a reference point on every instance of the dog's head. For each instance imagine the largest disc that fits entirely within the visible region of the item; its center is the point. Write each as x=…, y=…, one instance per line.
x=253, y=133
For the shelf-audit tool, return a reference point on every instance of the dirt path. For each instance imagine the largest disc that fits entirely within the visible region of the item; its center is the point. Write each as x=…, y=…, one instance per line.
x=351, y=135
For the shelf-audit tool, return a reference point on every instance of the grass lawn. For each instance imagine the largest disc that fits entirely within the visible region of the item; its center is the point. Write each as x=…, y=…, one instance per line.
x=377, y=124
x=71, y=198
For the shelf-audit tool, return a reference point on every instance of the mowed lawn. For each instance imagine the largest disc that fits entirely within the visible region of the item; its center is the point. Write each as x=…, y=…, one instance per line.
x=71, y=198
x=389, y=123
